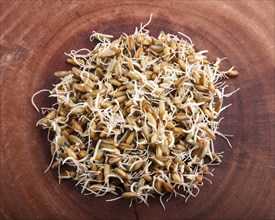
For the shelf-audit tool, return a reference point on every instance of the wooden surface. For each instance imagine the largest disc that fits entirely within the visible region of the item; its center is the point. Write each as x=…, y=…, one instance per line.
x=34, y=37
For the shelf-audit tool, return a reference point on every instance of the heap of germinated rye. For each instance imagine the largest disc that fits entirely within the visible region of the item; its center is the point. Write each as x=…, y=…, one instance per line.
x=137, y=116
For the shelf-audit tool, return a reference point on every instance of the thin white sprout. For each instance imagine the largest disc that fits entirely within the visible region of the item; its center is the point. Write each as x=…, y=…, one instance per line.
x=35, y=94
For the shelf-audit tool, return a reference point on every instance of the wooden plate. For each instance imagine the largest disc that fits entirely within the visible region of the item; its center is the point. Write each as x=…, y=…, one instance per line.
x=34, y=37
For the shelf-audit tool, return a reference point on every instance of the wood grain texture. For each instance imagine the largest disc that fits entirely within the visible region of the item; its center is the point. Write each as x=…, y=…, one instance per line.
x=34, y=37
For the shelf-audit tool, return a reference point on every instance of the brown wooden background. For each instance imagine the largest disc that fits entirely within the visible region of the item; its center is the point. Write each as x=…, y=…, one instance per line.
x=34, y=37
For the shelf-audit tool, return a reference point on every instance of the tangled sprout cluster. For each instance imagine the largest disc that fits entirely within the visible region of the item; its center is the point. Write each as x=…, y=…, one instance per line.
x=137, y=116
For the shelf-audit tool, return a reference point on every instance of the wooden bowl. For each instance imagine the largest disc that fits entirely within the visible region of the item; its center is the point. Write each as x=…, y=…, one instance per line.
x=34, y=37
